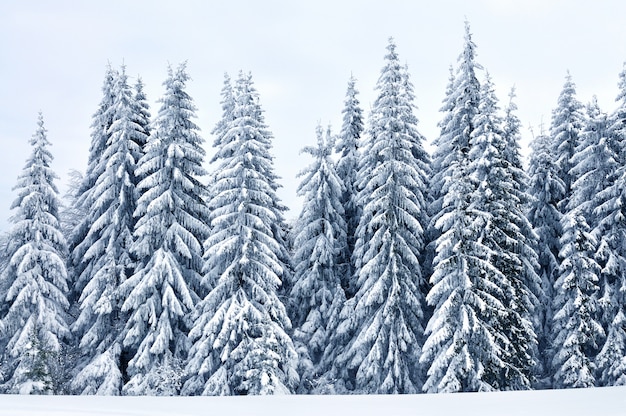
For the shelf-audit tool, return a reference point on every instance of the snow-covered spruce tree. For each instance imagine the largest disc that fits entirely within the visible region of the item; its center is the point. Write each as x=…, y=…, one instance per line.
x=509, y=236
x=228, y=105
x=593, y=164
x=462, y=347
x=71, y=212
x=611, y=360
x=220, y=130
x=459, y=108
x=436, y=179
x=595, y=169
x=610, y=213
x=462, y=351
x=319, y=238
x=168, y=233
x=239, y=336
x=34, y=328
x=107, y=259
x=567, y=119
x=617, y=120
x=142, y=116
x=383, y=320
x=78, y=242
x=546, y=189
x=420, y=156
x=348, y=144
x=511, y=133
x=576, y=331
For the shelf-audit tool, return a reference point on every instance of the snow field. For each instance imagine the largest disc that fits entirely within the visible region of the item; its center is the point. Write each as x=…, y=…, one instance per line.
x=606, y=401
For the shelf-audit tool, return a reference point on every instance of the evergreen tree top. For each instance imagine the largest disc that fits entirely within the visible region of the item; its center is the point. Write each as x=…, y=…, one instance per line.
x=352, y=127
x=37, y=175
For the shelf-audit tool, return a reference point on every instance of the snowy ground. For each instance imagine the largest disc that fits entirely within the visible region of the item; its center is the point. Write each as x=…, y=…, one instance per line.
x=601, y=401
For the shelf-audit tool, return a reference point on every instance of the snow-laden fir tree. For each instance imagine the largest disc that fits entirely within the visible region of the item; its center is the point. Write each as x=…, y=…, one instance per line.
x=78, y=241
x=319, y=238
x=240, y=332
x=610, y=231
x=463, y=350
x=593, y=164
x=34, y=327
x=107, y=261
x=437, y=177
x=495, y=168
x=421, y=157
x=220, y=129
x=228, y=105
x=617, y=119
x=348, y=144
x=142, y=109
x=383, y=321
x=611, y=360
x=462, y=347
x=168, y=235
x=511, y=133
x=576, y=330
x=459, y=108
x=567, y=119
x=546, y=189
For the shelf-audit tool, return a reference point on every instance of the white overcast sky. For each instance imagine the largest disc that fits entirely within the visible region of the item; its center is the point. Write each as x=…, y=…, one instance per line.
x=301, y=53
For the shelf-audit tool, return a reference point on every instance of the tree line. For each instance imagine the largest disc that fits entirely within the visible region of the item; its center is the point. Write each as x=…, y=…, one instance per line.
x=405, y=272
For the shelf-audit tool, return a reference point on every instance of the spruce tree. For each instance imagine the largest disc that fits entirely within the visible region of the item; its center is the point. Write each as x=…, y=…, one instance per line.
x=228, y=105
x=439, y=170
x=34, y=323
x=593, y=164
x=576, y=331
x=319, y=238
x=611, y=360
x=463, y=350
x=347, y=146
x=142, y=112
x=220, y=130
x=617, y=119
x=567, y=119
x=168, y=235
x=459, y=108
x=107, y=261
x=610, y=230
x=546, y=189
x=595, y=168
x=385, y=326
x=239, y=335
x=500, y=194
x=78, y=241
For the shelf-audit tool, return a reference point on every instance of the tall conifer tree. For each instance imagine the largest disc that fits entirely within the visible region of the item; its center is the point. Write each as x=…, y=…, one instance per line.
x=34, y=326
x=108, y=259
x=239, y=334
x=610, y=231
x=500, y=195
x=78, y=240
x=567, y=119
x=386, y=325
x=576, y=330
x=463, y=350
x=546, y=188
x=459, y=108
x=320, y=237
x=347, y=146
x=171, y=225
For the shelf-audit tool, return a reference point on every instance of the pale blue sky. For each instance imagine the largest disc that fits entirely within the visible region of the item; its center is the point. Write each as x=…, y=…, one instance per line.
x=301, y=54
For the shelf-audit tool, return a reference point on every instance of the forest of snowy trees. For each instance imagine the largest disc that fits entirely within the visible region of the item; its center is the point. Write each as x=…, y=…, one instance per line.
x=406, y=271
